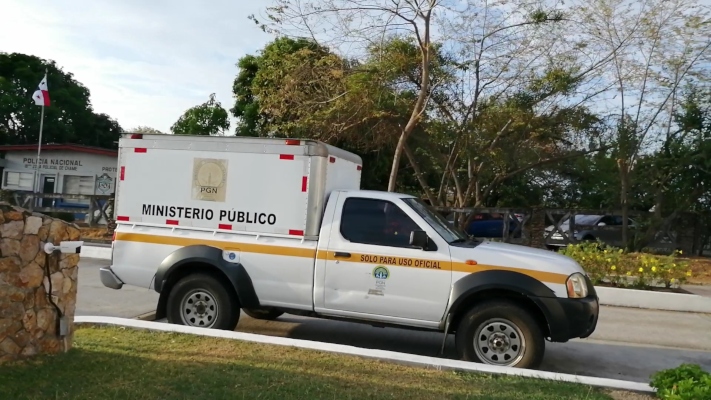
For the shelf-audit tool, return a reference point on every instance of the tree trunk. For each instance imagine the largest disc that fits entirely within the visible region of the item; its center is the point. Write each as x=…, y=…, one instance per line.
x=396, y=161
x=418, y=175
x=419, y=106
x=624, y=186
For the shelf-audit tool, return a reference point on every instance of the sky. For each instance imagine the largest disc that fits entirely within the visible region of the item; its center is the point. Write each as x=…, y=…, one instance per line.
x=144, y=62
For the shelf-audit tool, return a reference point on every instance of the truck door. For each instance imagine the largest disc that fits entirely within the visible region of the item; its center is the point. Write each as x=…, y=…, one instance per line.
x=371, y=268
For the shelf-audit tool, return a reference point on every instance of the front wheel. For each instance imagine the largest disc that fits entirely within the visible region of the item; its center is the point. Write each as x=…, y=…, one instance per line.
x=500, y=333
x=201, y=300
x=268, y=314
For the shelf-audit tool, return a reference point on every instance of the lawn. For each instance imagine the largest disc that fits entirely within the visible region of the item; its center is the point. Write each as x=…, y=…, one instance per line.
x=117, y=363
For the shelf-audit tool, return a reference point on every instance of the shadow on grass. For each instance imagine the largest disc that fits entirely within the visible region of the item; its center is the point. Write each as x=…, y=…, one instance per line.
x=237, y=371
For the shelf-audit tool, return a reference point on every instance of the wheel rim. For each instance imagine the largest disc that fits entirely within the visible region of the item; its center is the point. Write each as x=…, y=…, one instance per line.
x=199, y=308
x=499, y=342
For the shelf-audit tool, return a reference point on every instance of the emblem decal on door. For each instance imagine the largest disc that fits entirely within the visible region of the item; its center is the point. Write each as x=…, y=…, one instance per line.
x=380, y=272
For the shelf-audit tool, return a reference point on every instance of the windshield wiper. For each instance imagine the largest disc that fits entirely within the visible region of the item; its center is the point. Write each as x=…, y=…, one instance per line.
x=455, y=241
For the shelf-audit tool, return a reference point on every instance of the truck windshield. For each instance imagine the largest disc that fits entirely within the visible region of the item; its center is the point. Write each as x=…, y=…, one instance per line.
x=448, y=232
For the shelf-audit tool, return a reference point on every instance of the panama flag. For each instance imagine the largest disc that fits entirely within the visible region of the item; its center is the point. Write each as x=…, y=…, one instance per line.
x=41, y=95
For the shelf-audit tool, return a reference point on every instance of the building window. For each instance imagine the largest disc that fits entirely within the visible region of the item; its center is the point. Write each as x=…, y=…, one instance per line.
x=19, y=180
x=75, y=184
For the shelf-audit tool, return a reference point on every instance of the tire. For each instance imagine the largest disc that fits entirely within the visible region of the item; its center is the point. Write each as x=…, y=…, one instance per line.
x=268, y=314
x=201, y=292
x=524, y=349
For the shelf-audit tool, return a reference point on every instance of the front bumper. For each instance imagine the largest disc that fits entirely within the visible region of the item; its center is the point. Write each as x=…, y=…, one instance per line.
x=571, y=318
x=109, y=279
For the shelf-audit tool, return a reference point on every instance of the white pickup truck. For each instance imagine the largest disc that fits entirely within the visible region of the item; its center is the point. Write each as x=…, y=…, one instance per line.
x=271, y=226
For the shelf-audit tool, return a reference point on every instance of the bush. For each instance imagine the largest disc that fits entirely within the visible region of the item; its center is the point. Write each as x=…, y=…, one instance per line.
x=609, y=264
x=685, y=382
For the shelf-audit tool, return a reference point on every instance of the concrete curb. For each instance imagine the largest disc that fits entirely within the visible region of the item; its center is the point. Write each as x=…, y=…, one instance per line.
x=149, y=316
x=391, y=356
x=653, y=300
x=608, y=296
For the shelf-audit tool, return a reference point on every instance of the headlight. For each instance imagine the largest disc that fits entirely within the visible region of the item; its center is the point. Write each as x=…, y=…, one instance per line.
x=576, y=285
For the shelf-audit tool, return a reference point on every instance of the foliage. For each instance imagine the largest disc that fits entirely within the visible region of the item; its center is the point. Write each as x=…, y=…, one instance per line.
x=296, y=88
x=612, y=265
x=69, y=118
x=146, y=130
x=685, y=382
x=208, y=118
x=615, y=117
x=252, y=83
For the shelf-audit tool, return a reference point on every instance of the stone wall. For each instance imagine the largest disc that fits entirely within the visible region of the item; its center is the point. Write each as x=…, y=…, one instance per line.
x=28, y=318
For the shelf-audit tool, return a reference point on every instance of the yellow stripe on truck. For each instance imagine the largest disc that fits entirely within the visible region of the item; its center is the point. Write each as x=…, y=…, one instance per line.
x=406, y=262
x=542, y=276
x=220, y=244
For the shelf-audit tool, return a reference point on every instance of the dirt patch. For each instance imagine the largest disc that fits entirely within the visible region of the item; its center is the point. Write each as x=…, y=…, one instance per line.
x=700, y=270
x=94, y=233
x=622, y=395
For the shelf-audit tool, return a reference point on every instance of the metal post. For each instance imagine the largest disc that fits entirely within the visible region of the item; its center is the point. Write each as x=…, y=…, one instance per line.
x=39, y=150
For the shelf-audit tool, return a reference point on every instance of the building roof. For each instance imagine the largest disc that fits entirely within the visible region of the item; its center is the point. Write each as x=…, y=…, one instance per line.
x=60, y=147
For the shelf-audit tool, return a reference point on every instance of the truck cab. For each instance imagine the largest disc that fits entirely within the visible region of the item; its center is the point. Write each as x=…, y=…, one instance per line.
x=381, y=258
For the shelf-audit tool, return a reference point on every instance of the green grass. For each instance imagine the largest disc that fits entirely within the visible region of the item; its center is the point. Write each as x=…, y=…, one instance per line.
x=118, y=363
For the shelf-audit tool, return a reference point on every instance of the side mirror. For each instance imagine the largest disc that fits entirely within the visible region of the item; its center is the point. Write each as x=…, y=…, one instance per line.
x=601, y=224
x=419, y=239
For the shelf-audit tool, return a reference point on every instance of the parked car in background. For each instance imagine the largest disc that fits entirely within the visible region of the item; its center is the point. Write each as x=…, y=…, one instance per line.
x=491, y=225
x=612, y=236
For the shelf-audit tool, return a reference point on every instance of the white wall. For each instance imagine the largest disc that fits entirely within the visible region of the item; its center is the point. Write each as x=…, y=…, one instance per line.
x=77, y=172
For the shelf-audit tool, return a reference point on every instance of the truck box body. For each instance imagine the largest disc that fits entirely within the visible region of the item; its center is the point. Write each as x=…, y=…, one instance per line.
x=270, y=186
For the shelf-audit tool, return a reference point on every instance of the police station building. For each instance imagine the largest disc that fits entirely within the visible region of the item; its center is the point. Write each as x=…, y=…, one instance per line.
x=64, y=168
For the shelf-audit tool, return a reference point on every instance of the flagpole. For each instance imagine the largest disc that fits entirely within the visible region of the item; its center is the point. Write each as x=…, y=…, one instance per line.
x=39, y=147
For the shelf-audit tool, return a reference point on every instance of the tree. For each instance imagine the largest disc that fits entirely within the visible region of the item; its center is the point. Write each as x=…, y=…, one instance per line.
x=674, y=176
x=492, y=47
x=68, y=119
x=103, y=132
x=251, y=119
x=670, y=40
x=208, y=118
x=297, y=88
x=146, y=129
x=367, y=20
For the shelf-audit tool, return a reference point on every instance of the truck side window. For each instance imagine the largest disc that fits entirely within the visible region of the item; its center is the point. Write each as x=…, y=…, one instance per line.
x=376, y=222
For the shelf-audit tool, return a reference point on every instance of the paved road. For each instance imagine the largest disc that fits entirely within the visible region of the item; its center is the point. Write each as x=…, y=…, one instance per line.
x=628, y=344
x=93, y=298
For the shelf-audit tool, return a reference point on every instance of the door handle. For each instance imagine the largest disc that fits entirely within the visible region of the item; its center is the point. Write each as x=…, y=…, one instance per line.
x=342, y=255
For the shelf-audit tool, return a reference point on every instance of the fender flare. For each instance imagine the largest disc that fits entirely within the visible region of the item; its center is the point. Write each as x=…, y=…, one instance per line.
x=235, y=273
x=512, y=281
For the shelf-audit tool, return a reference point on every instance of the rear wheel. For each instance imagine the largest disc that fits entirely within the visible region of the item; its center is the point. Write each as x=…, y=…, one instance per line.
x=263, y=313
x=500, y=333
x=201, y=300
